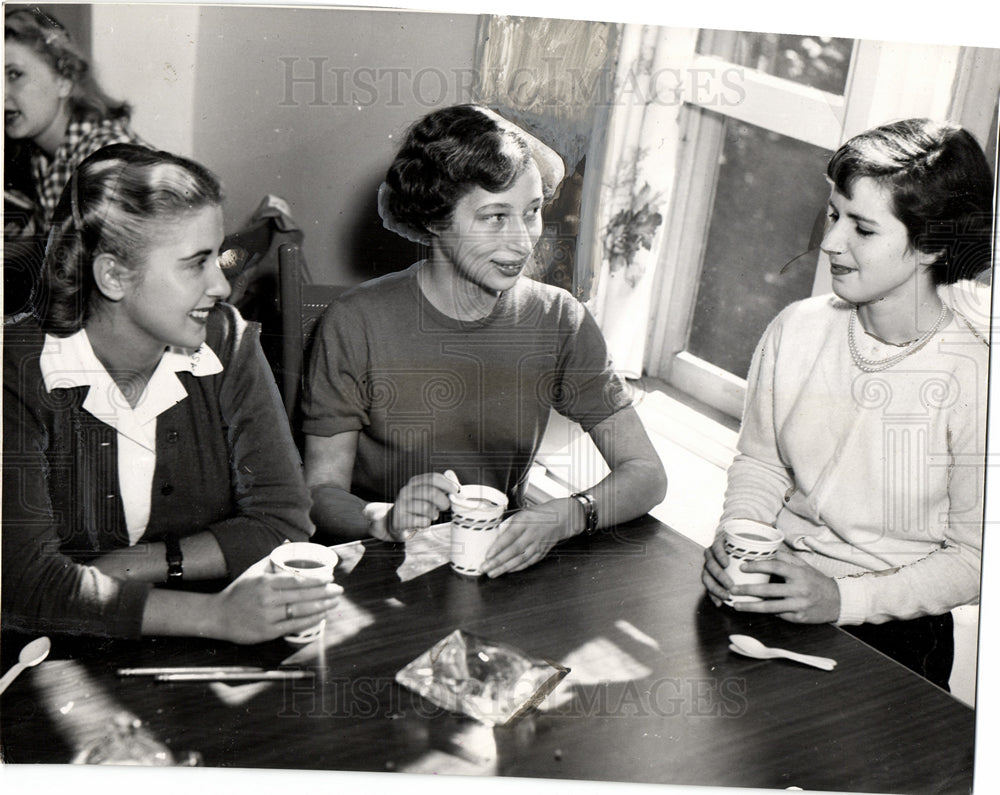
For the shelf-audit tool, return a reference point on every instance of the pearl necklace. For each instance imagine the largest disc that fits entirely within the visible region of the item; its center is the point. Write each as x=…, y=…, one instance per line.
x=877, y=365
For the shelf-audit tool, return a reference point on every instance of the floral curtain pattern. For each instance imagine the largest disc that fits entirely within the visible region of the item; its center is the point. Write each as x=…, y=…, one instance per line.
x=608, y=99
x=550, y=75
x=554, y=78
x=639, y=162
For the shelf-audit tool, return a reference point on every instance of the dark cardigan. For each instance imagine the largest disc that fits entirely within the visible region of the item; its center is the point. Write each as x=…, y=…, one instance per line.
x=225, y=463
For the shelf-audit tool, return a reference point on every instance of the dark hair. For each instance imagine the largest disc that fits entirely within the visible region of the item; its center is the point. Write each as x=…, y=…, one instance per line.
x=940, y=185
x=44, y=34
x=447, y=153
x=116, y=200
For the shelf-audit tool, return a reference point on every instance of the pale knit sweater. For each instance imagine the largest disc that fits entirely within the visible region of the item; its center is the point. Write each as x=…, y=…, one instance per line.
x=876, y=479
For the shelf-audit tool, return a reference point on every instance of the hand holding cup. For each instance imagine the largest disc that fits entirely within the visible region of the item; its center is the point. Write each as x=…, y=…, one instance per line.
x=746, y=541
x=308, y=561
x=476, y=514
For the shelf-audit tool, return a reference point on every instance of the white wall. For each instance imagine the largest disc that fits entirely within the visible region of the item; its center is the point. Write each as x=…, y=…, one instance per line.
x=310, y=104
x=145, y=54
x=229, y=86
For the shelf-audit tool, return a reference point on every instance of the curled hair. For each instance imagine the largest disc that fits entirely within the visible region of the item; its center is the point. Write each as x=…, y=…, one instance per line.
x=941, y=189
x=44, y=34
x=451, y=151
x=117, y=200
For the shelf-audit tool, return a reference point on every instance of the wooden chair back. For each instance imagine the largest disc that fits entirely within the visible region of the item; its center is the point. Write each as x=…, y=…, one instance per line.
x=301, y=303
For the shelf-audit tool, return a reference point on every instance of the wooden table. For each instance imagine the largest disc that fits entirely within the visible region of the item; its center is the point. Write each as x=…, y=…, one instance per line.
x=655, y=694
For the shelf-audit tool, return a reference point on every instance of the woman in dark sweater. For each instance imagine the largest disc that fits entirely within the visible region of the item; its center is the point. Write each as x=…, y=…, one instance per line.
x=144, y=439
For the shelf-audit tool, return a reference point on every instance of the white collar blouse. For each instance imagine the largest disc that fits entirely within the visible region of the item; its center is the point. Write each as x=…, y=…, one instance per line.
x=71, y=362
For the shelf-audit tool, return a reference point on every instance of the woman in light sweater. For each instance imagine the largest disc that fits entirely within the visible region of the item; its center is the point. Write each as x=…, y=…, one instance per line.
x=863, y=436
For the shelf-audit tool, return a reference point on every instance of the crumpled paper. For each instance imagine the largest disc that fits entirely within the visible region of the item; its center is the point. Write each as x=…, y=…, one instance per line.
x=494, y=683
x=426, y=550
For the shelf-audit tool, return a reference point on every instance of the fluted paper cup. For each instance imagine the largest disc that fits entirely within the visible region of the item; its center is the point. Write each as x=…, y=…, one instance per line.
x=303, y=559
x=476, y=513
x=746, y=541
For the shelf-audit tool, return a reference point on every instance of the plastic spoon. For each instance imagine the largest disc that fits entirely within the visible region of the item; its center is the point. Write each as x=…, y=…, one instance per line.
x=30, y=655
x=751, y=647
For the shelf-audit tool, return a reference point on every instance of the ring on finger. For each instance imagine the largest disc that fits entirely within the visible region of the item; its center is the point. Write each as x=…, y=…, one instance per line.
x=288, y=612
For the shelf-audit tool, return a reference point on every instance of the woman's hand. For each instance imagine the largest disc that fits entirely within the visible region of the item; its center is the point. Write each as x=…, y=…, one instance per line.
x=261, y=605
x=807, y=596
x=418, y=505
x=528, y=535
x=713, y=574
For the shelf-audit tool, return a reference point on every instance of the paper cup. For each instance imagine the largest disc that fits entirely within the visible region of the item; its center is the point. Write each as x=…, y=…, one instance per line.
x=747, y=540
x=313, y=561
x=476, y=512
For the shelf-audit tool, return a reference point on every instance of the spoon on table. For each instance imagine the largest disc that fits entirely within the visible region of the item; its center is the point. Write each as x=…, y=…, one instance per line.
x=751, y=647
x=30, y=655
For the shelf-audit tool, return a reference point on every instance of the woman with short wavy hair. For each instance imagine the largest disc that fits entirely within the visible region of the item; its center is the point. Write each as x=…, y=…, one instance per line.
x=456, y=362
x=863, y=436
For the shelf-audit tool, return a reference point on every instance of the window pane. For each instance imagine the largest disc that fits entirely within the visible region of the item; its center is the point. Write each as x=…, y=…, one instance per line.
x=769, y=209
x=818, y=61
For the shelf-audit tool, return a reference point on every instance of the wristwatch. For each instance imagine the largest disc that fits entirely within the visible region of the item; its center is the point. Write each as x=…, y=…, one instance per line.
x=175, y=560
x=586, y=499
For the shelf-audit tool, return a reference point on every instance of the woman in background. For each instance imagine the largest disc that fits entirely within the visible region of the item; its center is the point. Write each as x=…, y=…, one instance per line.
x=863, y=437
x=455, y=362
x=55, y=115
x=144, y=441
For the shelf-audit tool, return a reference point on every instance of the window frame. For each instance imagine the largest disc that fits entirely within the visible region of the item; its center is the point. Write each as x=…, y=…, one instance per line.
x=885, y=80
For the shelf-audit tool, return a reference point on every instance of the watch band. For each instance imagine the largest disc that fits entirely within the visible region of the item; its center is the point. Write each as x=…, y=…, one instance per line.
x=175, y=559
x=586, y=499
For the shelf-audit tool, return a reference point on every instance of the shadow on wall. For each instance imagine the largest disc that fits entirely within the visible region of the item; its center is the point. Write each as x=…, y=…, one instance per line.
x=371, y=250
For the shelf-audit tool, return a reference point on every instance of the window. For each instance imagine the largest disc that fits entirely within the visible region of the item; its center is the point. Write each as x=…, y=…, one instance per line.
x=749, y=204
x=771, y=244
x=817, y=61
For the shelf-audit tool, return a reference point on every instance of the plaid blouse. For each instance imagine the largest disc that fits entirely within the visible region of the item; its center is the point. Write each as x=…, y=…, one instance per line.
x=83, y=138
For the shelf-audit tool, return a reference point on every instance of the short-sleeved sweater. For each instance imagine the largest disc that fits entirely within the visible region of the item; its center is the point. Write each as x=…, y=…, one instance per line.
x=427, y=392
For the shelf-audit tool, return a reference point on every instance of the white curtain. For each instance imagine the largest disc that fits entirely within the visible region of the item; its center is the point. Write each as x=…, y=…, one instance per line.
x=637, y=181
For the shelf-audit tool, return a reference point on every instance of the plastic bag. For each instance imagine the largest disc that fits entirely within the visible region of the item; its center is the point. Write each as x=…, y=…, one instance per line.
x=493, y=683
x=127, y=742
